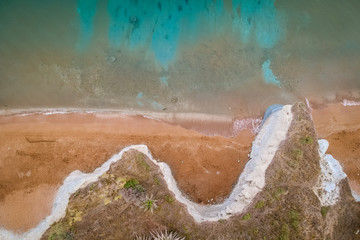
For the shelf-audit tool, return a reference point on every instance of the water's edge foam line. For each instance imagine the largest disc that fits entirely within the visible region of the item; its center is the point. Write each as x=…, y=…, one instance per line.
x=251, y=180
x=349, y=103
x=126, y=111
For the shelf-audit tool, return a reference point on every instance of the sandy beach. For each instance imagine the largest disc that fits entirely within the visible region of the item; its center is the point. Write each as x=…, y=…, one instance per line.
x=38, y=151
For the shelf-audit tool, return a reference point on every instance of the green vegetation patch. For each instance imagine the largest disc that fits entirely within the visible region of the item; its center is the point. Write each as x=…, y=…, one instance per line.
x=254, y=233
x=278, y=193
x=169, y=199
x=246, y=216
x=134, y=184
x=92, y=187
x=298, y=154
x=59, y=231
x=324, y=211
x=260, y=204
x=140, y=159
x=157, y=180
x=150, y=204
x=307, y=140
x=285, y=232
x=294, y=216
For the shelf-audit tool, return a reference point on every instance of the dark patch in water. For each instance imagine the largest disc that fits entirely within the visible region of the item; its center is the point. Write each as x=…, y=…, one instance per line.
x=117, y=11
x=134, y=21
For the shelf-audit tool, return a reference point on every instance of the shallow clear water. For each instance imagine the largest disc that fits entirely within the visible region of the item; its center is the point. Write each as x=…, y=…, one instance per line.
x=221, y=57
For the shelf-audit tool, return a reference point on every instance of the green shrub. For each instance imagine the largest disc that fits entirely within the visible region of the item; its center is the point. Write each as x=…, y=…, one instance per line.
x=169, y=199
x=294, y=219
x=246, y=216
x=307, y=140
x=285, y=232
x=277, y=193
x=140, y=159
x=298, y=154
x=134, y=184
x=157, y=180
x=60, y=231
x=324, y=211
x=260, y=204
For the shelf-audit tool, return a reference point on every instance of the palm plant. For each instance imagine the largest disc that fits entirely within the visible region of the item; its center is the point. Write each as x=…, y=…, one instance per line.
x=150, y=203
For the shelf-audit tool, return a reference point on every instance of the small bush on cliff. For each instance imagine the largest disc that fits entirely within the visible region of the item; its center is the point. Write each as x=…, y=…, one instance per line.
x=140, y=159
x=169, y=199
x=260, y=204
x=246, y=216
x=324, y=211
x=134, y=184
x=307, y=140
x=294, y=216
x=285, y=232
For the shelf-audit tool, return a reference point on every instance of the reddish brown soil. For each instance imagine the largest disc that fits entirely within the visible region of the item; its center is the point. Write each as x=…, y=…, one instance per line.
x=345, y=146
x=341, y=127
x=25, y=208
x=39, y=151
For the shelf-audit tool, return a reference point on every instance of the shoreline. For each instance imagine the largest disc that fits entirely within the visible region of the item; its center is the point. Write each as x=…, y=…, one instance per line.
x=43, y=149
x=168, y=142
x=130, y=112
x=273, y=132
x=207, y=124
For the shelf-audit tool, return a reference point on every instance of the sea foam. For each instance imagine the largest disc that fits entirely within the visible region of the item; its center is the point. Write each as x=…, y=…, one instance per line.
x=346, y=102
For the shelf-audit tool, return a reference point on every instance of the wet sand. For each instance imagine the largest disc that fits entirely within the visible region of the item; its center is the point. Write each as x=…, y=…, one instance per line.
x=38, y=151
x=333, y=118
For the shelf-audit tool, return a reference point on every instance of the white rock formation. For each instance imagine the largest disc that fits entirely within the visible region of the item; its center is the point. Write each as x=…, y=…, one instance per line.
x=327, y=189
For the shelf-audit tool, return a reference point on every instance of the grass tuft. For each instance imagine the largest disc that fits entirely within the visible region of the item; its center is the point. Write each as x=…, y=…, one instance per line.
x=140, y=159
x=278, y=193
x=157, y=180
x=169, y=199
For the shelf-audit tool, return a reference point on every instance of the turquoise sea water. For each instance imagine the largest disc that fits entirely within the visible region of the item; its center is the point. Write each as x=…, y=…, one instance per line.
x=233, y=57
